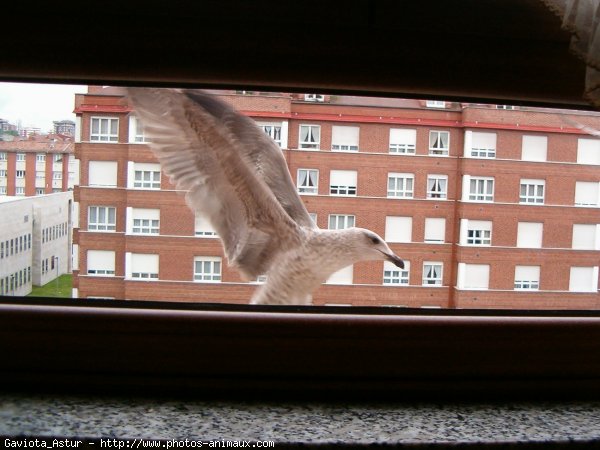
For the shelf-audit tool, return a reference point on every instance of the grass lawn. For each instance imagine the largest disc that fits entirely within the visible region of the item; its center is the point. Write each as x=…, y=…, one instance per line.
x=62, y=288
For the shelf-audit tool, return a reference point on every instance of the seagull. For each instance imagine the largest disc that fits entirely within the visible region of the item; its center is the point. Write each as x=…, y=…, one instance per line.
x=235, y=175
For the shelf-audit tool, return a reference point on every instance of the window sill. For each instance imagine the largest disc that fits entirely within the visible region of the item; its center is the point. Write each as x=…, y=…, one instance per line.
x=524, y=425
x=245, y=349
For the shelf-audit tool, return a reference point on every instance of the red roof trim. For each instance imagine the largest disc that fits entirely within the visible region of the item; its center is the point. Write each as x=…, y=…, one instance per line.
x=103, y=109
x=411, y=121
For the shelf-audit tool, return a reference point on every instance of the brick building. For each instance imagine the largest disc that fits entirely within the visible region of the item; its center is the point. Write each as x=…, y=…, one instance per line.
x=490, y=206
x=37, y=165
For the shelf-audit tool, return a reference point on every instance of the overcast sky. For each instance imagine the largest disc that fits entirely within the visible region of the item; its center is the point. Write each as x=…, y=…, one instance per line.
x=37, y=105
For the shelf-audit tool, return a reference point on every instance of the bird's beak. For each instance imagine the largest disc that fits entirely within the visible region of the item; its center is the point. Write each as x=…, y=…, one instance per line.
x=395, y=259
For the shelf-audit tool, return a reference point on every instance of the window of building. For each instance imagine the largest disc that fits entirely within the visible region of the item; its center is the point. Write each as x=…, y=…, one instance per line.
x=403, y=141
x=435, y=104
x=207, y=269
x=57, y=175
x=19, y=191
x=583, y=279
x=529, y=234
x=104, y=129
x=2, y=173
x=532, y=191
x=101, y=262
x=203, y=227
x=341, y=221
x=2, y=156
x=435, y=230
x=58, y=158
x=136, y=131
x=342, y=276
x=439, y=143
x=344, y=138
x=586, y=237
x=273, y=130
x=308, y=181
x=20, y=174
x=314, y=98
x=473, y=276
x=398, y=229
x=40, y=175
x=478, y=189
x=480, y=145
x=102, y=218
x=432, y=273
x=40, y=157
x=400, y=185
x=141, y=266
x=310, y=137
x=587, y=194
x=144, y=221
x=527, y=278
x=475, y=232
x=102, y=173
x=534, y=148
x=395, y=276
x=437, y=186
x=20, y=157
x=342, y=182
x=588, y=151
x=146, y=176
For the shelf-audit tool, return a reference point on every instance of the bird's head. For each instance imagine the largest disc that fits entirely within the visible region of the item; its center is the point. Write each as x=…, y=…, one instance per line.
x=371, y=247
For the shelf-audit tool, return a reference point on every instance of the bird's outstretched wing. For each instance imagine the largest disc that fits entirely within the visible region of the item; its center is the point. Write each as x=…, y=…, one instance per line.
x=233, y=175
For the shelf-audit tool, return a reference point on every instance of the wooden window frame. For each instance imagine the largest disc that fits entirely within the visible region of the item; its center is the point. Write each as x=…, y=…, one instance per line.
x=226, y=349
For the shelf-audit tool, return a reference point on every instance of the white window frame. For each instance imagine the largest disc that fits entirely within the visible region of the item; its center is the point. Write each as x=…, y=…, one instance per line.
x=40, y=157
x=305, y=188
x=339, y=190
x=104, y=137
x=435, y=104
x=480, y=152
x=534, y=148
x=437, y=268
x=145, y=227
x=211, y=276
x=19, y=190
x=3, y=156
x=136, y=131
x=476, y=233
x=475, y=277
x=310, y=143
x=479, y=184
x=436, y=143
x=529, y=192
x=437, y=187
x=140, y=181
x=344, y=144
x=103, y=226
x=101, y=272
x=403, y=146
x=139, y=275
x=432, y=221
x=528, y=241
x=395, y=276
x=21, y=157
x=202, y=228
x=274, y=130
x=524, y=282
x=595, y=201
x=341, y=221
x=403, y=185
x=20, y=174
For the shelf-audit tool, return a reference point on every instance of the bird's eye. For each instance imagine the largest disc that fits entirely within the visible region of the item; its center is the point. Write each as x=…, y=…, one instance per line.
x=375, y=240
